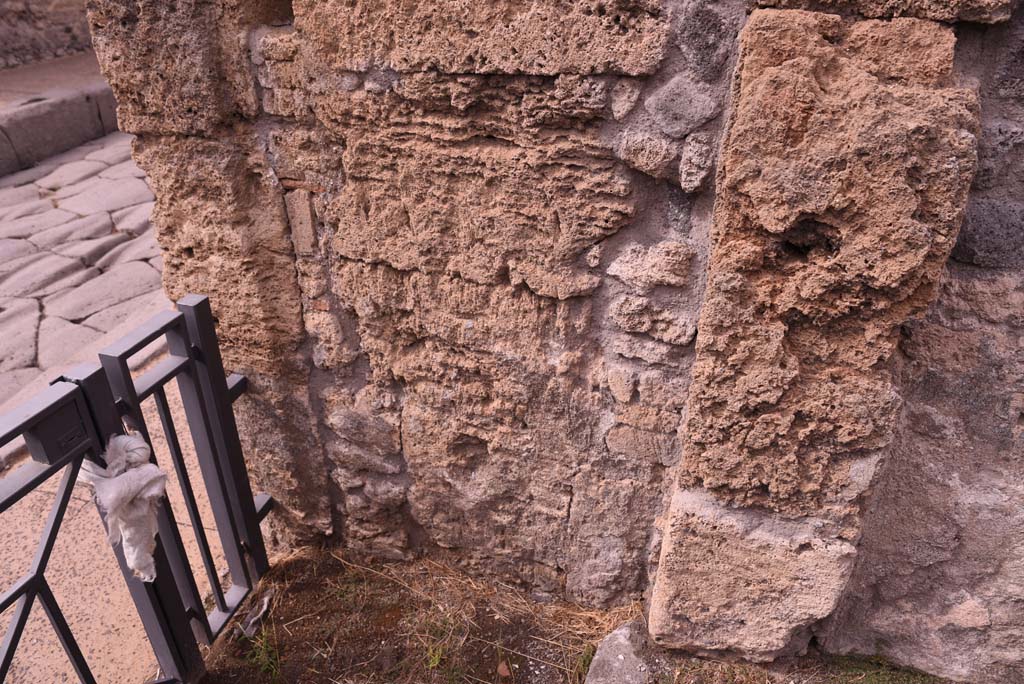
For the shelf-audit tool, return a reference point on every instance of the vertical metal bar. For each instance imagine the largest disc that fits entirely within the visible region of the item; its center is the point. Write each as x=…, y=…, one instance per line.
x=56, y=517
x=214, y=476
x=203, y=336
x=67, y=639
x=121, y=384
x=160, y=397
x=14, y=631
x=159, y=605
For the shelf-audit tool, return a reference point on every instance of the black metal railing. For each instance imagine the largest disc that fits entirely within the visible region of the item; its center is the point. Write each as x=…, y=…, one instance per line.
x=70, y=422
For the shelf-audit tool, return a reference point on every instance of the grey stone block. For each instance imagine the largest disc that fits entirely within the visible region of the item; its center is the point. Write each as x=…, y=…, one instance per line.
x=66, y=283
x=134, y=220
x=36, y=206
x=12, y=381
x=134, y=311
x=992, y=235
x=29, y=225
x=115, y=149
x=13, y=249
x=70, y=173
x=85, y=228
x=618, y=659
x=108, y=195
x=89, y=252
x=60, y=342
x=681, y=106
x=60, y=122
x=120, y=283
x=19, y=322
x=139, y=249
x=113, y=155
x=74, y=154
x=8, y=267
x=115, y=139
x=28, y=175
x=10, y=197
x=40, y=273
x=126, y=169
x=77, y=188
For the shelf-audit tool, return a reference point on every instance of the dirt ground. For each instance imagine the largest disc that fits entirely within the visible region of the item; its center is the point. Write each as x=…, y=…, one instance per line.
x=337, y=618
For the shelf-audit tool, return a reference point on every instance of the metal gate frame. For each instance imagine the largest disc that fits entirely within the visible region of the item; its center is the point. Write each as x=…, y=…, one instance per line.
x=71, y=420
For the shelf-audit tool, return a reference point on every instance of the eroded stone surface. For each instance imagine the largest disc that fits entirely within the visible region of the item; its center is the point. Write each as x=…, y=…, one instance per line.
x=463, y=268
x=447, y=207
x=937, y=579
x=940, y=10
x=810, y=279
x=551, y=37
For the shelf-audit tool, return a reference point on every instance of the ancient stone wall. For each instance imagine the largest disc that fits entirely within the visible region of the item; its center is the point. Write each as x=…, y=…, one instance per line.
x=33, y=30
x=620, y=299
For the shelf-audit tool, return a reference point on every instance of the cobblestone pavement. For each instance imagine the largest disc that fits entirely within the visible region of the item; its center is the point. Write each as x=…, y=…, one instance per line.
x=78, y=260
x=79, y=267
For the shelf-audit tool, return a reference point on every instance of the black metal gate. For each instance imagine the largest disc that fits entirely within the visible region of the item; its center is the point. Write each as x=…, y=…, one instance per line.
x=72, y=419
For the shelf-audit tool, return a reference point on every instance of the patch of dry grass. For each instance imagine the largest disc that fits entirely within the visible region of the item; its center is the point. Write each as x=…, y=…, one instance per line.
x=337, y=618
x=458, y=610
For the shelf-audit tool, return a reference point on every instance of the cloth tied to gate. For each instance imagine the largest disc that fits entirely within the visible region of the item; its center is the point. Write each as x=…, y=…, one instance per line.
x=128, y=492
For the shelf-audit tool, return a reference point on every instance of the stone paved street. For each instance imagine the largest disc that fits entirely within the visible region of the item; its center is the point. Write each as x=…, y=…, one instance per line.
x=78, y=260
x=79, y=267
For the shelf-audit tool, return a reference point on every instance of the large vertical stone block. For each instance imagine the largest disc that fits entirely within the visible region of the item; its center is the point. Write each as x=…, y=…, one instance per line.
x=220, y=217
x=842, y=185
x=173, y=84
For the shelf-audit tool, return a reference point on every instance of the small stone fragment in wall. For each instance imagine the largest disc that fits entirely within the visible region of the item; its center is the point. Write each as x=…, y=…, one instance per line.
x=695, y=161
x=649, y=153
x=625, y=93
x=682, y=105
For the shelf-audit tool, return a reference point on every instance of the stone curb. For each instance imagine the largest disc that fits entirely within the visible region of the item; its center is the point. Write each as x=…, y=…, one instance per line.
x=54, y=122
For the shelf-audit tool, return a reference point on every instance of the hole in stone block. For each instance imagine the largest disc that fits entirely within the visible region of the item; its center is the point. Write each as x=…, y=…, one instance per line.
x=809, y=238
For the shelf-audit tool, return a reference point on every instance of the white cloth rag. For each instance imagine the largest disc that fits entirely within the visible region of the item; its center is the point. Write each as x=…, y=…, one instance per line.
x=128, y=492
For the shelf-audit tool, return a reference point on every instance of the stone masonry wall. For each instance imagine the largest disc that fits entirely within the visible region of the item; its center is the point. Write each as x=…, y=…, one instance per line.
x=620, y=299
x=33, y=30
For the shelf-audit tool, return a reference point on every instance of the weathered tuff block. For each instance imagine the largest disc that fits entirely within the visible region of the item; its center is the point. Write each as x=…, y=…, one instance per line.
x=405, y=237
x=842, y=185
x=461, y=250
x=223, y=227
x=989, y=11
x=547, y=37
